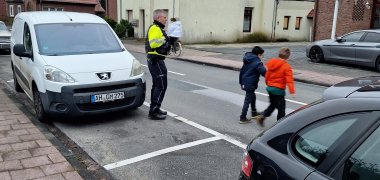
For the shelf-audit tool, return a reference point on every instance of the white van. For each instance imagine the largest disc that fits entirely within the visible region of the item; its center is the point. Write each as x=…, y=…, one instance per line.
x=73, y=64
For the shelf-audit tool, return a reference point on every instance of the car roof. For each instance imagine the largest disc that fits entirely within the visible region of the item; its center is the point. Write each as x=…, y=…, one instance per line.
x=362, y=87
x=45, y=17
x=367, y=30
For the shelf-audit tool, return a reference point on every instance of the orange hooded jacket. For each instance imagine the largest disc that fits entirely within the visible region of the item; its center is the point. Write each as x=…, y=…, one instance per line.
x=279, y=74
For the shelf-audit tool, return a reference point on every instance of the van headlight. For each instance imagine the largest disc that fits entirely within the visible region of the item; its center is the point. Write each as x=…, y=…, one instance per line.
x=136, y=68
x=53, y=74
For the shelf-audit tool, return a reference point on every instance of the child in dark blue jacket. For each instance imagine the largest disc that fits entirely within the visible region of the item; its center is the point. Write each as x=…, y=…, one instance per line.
x=249, y=78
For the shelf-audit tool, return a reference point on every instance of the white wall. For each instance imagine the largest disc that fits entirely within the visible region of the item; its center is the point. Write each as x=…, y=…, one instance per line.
x=221, y=20
x=213, y=20
x=294, y=9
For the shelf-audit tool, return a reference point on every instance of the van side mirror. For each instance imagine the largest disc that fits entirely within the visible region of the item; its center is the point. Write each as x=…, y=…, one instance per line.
x=19, y=50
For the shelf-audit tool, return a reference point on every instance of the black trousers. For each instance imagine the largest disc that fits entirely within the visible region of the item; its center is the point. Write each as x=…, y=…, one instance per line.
x=158, y=71
x=250, y=99
x=276, y=102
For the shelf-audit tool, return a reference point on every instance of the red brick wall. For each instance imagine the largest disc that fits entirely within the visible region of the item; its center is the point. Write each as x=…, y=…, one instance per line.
x=3, y=10
x=111, y=10
x=345, y=23
x=71, y=7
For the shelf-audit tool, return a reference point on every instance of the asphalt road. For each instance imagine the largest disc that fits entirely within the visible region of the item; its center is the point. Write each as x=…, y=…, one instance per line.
x=201, y=139
x=298, y=60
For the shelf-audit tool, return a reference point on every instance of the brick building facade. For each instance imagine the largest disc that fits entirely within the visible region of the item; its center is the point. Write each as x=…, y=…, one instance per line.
x=3, y=7
x=111, y=9
x=352, y=15
x=10, y=8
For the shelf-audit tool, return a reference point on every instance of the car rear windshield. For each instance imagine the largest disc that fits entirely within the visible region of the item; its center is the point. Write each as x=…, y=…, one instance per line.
x=75, y=38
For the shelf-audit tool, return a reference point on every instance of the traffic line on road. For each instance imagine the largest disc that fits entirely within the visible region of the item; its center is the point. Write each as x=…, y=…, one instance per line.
x=230, y=94
x=217, y=136
x=160, y=152
x=10, y=81
x=206, y=129
x=289, y=100
x=168, y=71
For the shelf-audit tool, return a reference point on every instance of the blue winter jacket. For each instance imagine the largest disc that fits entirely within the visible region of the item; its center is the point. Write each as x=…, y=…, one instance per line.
x=251, y=71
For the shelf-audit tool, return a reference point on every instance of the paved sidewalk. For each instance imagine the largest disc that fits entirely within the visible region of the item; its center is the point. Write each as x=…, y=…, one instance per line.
x=209, y=58
x=25, y=153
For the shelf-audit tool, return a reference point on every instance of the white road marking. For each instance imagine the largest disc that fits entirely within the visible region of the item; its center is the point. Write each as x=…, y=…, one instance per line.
x=217, y=136
x=160, y=152
x=231, y=94
x=10, y=81
x=168, y=71
x=206, y=129
x=289, y=100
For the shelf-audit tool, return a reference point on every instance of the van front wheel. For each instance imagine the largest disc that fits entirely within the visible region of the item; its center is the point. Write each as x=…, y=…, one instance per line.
x=38, y=107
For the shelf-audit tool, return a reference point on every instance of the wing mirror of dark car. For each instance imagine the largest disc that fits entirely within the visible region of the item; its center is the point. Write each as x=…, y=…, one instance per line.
x=19, y=50
x=340, y=39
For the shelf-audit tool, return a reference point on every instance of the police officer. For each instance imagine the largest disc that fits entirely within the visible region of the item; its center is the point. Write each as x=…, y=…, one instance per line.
x=157, y=46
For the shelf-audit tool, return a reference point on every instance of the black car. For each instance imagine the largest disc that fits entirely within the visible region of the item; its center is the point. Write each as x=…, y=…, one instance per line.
x=337, y=137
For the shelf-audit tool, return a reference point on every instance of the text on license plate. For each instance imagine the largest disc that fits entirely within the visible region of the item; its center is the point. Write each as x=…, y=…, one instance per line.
x=107, y=97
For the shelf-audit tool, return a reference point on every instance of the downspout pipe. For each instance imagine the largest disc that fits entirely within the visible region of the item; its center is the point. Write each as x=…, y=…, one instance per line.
x=274, y=22
x=333, y=30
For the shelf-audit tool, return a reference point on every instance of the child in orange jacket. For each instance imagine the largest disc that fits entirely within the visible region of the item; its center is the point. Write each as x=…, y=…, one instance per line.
x=279, y=74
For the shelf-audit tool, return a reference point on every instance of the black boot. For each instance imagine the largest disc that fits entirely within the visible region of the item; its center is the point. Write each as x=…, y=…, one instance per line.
x=244, y=120
x=157, y=116
x=162, y=112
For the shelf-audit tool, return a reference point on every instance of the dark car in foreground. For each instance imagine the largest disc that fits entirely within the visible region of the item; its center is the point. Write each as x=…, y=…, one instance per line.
x=358, y=48
x=337, y=137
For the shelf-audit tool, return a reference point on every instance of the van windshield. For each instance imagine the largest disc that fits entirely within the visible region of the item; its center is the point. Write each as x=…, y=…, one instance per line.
x=75, y=38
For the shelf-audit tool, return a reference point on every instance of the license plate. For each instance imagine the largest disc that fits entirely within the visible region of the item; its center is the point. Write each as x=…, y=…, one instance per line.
x=107, y=97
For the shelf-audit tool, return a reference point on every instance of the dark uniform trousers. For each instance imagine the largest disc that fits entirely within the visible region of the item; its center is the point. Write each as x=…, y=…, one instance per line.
x=157, y=69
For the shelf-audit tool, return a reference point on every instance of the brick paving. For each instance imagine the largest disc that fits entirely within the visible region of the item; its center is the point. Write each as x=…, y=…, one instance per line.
x=25, y=153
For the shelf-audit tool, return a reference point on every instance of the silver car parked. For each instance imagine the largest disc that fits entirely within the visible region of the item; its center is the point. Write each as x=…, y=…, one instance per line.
x=358, y=47
x=5, y=36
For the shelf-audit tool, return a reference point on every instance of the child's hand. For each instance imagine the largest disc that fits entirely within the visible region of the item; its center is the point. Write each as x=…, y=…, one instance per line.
x=293, y=96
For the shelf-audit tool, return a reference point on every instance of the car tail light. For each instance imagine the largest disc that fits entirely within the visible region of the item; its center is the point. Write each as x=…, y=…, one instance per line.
x=246, y=166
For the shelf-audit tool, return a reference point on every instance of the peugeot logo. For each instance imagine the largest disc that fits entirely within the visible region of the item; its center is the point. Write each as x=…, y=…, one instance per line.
x=104, y=75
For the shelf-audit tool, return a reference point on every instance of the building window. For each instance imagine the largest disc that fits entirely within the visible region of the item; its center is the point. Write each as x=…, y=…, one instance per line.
x=298, y=23
x=247, y=19
x=129, y=15
x=19, y=9
x=11, y=12
x=358, y=10
x=52, y=9
x=286, y=22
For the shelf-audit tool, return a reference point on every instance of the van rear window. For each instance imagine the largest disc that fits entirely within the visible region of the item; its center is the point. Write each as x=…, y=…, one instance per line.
x=75, y=38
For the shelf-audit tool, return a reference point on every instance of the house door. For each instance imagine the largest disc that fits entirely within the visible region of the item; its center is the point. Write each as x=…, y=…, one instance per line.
x=376, y=15
x=142, y=23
